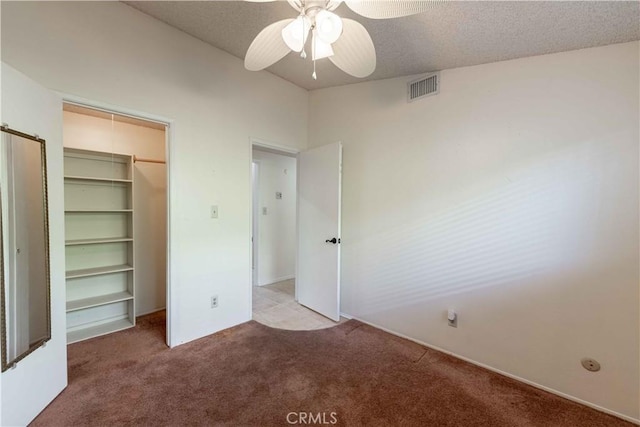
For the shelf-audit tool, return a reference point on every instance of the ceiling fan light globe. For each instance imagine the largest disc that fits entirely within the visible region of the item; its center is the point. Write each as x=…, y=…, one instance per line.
x=329, y=26
x=295, y=34
x=320, y=49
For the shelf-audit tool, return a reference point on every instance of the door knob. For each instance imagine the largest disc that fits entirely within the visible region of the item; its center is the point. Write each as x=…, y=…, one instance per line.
x=334, y=241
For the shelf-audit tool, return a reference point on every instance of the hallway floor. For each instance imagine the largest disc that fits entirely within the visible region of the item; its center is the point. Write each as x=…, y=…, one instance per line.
x=275, y=306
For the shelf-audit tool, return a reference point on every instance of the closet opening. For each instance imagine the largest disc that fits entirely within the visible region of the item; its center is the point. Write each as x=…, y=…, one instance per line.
x=116, y=207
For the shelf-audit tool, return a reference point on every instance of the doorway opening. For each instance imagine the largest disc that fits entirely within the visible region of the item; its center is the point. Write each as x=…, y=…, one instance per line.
x=274, y=243
x=116, y=221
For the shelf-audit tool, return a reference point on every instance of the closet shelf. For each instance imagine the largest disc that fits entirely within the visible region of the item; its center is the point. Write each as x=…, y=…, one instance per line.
x=99, y=203
x=93, y=178
x=95, y=331
x=97, y=271
x=98, y=211
x=98, y=241
x=99, y=300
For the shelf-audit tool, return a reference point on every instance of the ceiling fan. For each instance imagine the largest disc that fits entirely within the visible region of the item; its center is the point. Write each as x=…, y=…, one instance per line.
x=344, y=41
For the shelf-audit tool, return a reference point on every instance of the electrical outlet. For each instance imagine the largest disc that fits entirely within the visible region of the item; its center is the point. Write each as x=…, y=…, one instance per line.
x=214, y=301
x=452, y=318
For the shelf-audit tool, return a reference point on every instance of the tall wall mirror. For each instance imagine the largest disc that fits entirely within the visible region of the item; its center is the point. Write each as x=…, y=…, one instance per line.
x=24, y=254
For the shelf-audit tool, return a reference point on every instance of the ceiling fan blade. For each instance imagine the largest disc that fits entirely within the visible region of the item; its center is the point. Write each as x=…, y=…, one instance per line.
x=296, y=4
x=268, y=47
x=333, y=4
x=354, y=52
x=376, y=9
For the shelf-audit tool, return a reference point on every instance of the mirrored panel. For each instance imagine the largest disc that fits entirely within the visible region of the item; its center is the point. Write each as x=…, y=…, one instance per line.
x=25, y=291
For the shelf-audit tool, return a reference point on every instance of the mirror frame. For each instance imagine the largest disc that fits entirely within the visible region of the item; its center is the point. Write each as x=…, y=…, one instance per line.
x=6, y=364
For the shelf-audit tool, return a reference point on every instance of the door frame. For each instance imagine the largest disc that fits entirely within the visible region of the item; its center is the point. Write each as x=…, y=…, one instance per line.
x=169, y=136
x=255, y=224
x=284, y=150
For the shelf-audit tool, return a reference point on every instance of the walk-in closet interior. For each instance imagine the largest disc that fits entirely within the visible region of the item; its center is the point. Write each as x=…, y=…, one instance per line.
x=115, y=198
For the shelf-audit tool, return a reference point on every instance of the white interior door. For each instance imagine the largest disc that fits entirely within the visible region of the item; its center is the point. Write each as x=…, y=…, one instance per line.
x=319, y=192
x=37, y=379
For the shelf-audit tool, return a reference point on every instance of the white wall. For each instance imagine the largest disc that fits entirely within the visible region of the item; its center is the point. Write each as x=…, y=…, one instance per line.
x=111, y=53
x=512, y=196
x=277, y=229
x=150, y=195
x=29, y=108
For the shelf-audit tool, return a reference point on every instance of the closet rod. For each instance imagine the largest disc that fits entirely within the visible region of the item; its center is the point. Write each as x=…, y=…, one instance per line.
x=138, y=159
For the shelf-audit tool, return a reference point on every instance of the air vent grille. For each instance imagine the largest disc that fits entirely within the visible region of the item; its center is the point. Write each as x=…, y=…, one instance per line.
x=424, y=86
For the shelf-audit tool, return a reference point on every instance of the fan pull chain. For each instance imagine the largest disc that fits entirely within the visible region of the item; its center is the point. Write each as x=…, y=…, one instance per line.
x=315, y=77
x=303, y=54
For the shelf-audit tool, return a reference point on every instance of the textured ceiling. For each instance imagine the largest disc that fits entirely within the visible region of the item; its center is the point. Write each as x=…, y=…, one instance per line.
x=453, y=34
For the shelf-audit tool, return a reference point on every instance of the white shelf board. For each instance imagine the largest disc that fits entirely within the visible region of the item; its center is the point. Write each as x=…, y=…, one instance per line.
x=98, y=241
x=93, y=178
x=106, y=156
x=98, y=330
x=85, y=272
x=99, y=211
x=99, y=300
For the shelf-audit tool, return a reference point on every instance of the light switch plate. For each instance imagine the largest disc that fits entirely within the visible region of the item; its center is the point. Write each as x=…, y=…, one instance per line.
x=214, y=211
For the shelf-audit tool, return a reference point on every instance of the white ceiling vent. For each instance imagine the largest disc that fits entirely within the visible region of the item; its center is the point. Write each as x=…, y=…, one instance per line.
x=424, y=86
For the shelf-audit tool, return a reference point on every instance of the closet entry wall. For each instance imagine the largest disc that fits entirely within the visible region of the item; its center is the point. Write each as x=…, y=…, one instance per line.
x=93, y=130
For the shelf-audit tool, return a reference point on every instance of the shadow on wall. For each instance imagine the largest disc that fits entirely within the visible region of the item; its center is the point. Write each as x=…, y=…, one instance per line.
x=538, y=223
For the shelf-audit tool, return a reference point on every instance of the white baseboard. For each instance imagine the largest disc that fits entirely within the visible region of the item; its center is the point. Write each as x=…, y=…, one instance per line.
x=506, y=374
x=276, y=280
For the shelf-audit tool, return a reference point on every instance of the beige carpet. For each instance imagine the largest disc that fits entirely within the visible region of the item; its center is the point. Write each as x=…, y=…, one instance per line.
x=253, y=375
